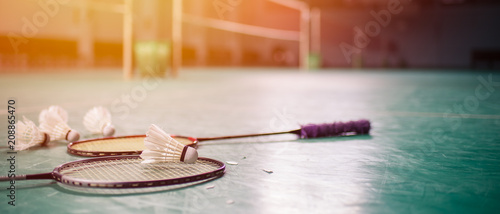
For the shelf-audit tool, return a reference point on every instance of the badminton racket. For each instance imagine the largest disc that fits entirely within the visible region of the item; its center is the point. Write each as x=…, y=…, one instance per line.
x=133, y=145
x=128, y=172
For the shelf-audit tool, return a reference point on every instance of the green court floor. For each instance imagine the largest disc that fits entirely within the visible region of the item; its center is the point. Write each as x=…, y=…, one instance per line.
x=434, y=145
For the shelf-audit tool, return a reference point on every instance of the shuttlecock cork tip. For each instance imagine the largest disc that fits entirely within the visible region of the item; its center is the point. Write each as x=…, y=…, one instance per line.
x=47, y=139
x=73, y=136
x=108, y=131
x=189, y=155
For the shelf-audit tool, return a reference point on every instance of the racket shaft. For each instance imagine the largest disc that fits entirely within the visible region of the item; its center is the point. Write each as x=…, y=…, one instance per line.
x=297, y=131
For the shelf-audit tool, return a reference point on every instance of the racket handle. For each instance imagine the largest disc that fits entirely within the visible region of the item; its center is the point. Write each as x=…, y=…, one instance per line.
x=335, y=129
x=16, y=177
x=27, y=177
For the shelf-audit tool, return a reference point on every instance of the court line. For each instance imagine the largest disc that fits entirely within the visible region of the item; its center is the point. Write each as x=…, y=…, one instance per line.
x=434, y=114
x=393, y=113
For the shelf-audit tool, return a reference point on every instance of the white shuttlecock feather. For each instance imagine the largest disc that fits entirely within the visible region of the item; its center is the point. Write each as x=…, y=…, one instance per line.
x=52, y=124
x=28, y=135
x=161, y=147
x=98, y=121
x=53, y=110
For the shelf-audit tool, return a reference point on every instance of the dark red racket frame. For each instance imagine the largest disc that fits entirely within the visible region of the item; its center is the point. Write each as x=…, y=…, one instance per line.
x=56, y=175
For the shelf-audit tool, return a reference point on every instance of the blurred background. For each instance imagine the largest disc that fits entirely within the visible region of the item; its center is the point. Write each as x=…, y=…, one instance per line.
x=424, y=72
x=309, y=34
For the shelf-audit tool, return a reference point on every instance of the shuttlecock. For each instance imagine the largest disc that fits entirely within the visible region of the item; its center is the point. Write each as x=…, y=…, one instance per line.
x=98, y=121
x=53, y=110
x=56, y=126
x=162, y=147
x=28, y=135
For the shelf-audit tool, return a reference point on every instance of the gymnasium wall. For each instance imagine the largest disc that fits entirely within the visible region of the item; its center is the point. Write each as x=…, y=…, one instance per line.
x=38, y=34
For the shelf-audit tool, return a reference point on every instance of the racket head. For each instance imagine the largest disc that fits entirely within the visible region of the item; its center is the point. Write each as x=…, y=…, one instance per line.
x=124, y=172
x=124, y=191
x=113, y=146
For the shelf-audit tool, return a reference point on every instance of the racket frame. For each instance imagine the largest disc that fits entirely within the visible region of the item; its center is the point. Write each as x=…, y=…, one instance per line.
x=59, y=177
x=86, y=153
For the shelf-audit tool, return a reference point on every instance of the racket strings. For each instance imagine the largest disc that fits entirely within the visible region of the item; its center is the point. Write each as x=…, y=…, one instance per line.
x=118, y=144
x=130, y=170
x=110, y=145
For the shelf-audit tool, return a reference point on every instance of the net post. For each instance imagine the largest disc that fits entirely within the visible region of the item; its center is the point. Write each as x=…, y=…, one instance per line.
x=305, y=15
x=127, y=39
x=316, y=30
x=176, y=37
